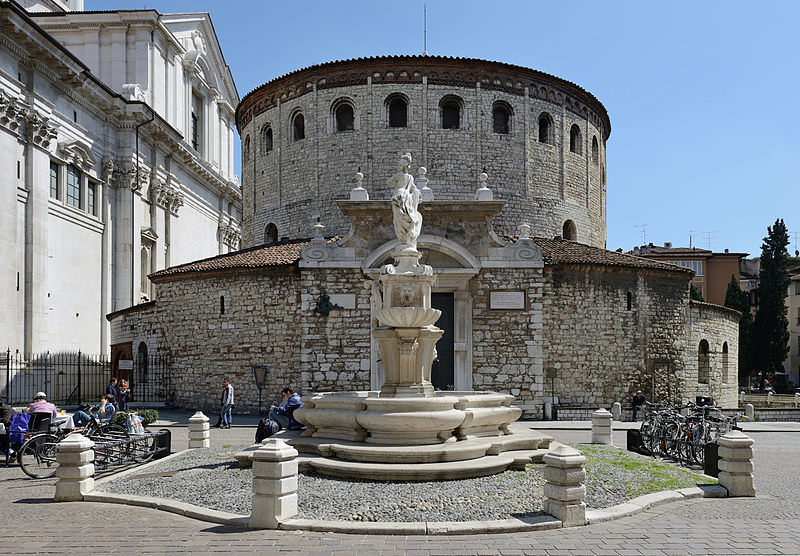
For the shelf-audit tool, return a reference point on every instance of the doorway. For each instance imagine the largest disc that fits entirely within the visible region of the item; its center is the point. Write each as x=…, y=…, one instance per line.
x=443, y=369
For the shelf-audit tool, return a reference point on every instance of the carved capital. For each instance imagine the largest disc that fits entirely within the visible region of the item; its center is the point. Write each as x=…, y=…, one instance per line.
x=38, y=129
x=12, y=114
x=107, y=173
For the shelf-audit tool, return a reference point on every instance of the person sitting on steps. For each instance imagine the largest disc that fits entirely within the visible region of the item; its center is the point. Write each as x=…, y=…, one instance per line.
x=283, y=414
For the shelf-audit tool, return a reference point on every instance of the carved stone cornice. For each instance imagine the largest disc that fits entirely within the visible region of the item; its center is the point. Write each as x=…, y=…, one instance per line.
x=12, y=114
x=167, y=195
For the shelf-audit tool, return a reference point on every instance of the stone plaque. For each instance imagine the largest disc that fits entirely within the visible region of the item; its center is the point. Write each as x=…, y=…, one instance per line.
x=344, y=300
x=126, y=364
x=508, y=300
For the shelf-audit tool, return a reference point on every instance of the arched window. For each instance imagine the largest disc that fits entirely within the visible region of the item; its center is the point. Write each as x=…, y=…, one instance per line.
x=246, y=148
x=271, y=234
x=545, y=128
x=266, y=139
x=703, y=362
x=595, y=151
x=629, y=297
x=569, y=231
x=298, y=127
x=145, y=270
x=450, y=107
x=142, y=362
x=222, y=305
x=344, y=116
x=397, y=107
x=501, y=117
x=575, y=139
x=725, y=370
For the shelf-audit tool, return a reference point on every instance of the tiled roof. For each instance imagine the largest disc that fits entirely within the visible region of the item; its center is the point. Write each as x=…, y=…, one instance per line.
x=554, y=251
x=280, y=254
x=563, y=251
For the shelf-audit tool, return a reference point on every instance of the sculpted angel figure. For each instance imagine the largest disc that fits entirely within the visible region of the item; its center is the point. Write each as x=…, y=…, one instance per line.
x=406, y=218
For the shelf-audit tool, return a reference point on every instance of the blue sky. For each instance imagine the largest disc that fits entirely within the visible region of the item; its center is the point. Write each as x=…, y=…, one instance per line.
x=702, y=95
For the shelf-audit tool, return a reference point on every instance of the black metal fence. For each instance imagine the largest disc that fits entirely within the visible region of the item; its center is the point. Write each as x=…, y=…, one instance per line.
x=70, y=378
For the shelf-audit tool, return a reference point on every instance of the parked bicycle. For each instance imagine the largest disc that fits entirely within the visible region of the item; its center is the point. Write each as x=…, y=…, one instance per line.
x=37, y=455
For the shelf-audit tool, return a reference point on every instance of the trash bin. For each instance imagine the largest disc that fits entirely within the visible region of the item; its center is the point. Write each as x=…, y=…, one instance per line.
x=702, y=400
x=711, y=459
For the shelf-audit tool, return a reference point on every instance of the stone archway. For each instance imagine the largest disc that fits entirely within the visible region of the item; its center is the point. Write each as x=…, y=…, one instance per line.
x=455, y=266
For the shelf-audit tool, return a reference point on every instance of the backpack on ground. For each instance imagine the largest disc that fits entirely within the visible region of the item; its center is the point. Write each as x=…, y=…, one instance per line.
x=266, y=428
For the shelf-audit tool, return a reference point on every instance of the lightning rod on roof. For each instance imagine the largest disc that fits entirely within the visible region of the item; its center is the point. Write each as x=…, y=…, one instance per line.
x=425, y=29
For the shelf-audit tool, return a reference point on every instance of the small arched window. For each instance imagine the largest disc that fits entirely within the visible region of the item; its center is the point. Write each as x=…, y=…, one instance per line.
x=545, y=128
x=298, y=127
x=397, y=107
x=595, y=151
x=569, y=231
x=703, y=362
x=142, y=362
x=629, y=300
x=222, y=305
x=271, y=234
x=247, y=148
x=501, y=118
x=344, y=116
x=450, y=107
x=266, y=139
x=575, y=139
x=725, y=369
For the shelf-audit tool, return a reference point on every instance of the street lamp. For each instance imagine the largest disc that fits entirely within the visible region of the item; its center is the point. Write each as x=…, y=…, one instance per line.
x=260, y=375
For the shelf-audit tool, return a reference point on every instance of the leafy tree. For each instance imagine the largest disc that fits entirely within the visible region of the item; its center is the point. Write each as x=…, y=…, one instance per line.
x=737, y=299
x=771, y=328
x=694, y=293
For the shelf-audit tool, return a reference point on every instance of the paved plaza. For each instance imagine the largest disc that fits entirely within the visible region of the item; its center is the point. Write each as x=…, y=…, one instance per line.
x=767, y=524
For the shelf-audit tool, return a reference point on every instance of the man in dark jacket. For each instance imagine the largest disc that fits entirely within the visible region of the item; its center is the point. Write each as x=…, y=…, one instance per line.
x=638, y=401
x=6, y=414
x=111, y=389
x=284, y=414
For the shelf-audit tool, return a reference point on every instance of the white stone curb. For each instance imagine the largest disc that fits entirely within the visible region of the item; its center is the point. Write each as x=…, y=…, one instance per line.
x=644, y=502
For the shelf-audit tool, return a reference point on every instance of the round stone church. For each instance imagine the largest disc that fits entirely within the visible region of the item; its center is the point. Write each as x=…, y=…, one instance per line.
x=511, y=164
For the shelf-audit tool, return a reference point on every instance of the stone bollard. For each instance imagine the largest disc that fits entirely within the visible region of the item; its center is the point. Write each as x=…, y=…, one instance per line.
x=199, y=431
x=76, y=468
x=601, y=427
x=750, y=412
x=564, y=491
x=770, y=395
x=616, y=411
x=736, y=463
x=274, y=484
x=796, y=399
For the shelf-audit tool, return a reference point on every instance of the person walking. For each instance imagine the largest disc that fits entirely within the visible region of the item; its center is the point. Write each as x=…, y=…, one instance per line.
x=227, y=405
x=111, y=390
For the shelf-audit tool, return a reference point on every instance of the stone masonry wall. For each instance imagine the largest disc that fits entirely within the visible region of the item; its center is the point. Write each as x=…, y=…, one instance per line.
x=719, y=326
x=544, y=184
x=508, y=344
x=598, y=351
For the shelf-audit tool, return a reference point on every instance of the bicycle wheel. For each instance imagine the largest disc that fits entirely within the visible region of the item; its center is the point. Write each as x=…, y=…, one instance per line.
x=37, y=456
x=114, y=431
x=143, y=449
x=668, y=445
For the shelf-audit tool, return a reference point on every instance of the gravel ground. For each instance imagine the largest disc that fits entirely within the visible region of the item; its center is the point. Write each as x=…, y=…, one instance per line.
x=209, y=478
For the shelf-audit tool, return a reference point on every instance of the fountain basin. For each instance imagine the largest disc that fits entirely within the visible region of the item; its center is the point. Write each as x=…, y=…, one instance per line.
x=410, y=421
x=408, y=317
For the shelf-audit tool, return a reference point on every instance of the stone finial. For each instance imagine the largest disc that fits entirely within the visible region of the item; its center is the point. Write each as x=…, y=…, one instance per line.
x=483, y=193
x=358, y=193
x=564, y=491
x=425, y=192
x=524, y=231
x=318, y=227
x=199, y=431
x=76, y=468
x=274, y=484
x=601, y=427
x=736, y=463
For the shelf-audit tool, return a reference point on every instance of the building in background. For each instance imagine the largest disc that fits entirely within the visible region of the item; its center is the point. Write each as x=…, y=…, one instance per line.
x=712, y=271
x=116, y=161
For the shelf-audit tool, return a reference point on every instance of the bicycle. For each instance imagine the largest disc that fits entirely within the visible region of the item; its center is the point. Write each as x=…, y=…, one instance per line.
x=37, y=455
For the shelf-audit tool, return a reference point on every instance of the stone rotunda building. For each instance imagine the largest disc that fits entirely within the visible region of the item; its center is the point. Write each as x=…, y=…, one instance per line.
x=512, y=172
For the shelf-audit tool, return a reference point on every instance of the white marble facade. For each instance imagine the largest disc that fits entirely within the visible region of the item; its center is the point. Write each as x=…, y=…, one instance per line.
x=86, y=212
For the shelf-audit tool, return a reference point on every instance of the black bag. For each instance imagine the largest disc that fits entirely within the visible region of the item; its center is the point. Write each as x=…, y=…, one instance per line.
x=266, y=428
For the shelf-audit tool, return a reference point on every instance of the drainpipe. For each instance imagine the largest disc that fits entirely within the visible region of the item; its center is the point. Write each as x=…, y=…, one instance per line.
x=133, y=203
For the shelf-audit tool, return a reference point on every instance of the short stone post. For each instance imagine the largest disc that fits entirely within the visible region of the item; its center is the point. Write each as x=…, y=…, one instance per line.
x=274, y=484
x=750, y=412
x=564, y=490
x=616, y=411
x=601, y=427
x=796, y=399
x=770, y=395
x=199, y=431
x=736, y=463
x=75, y=468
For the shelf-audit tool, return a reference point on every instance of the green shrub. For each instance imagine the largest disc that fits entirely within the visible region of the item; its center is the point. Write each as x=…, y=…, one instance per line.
x=148, y=416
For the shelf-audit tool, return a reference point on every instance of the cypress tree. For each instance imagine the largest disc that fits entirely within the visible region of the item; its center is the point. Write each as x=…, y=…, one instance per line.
x=737, y=299
x=771, y=328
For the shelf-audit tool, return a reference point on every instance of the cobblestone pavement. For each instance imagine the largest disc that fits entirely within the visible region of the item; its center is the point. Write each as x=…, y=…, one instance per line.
x=767, y=524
